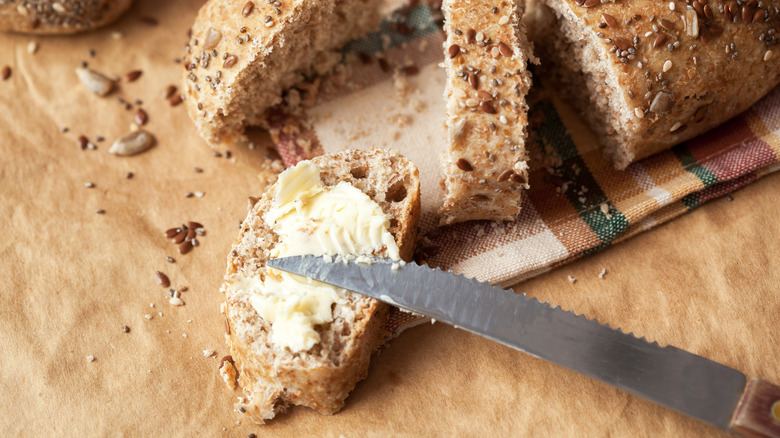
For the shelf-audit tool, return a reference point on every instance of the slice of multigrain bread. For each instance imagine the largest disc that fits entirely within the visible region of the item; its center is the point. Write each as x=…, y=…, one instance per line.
x=273, y=377
x=243, y=55
x=486, y=57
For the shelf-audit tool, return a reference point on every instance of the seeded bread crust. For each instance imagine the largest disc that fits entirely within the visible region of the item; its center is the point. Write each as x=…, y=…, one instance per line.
x=48, y=17
x=256, y=51
x=273, y=378
x=486, y=56
x=645, y=85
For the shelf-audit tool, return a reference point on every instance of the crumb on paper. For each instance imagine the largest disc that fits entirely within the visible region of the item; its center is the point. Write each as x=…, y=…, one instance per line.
x=572, y=280
x=228, y=373
x=209, y=353
x=90, y=358
x=602, y=273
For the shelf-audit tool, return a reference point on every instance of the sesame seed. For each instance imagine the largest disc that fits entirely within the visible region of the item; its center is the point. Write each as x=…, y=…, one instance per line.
x=768, y=55
x=675, y=127
x=504, y=20
x=32, y=47
x=480, y=37
x=89, y=185
x=667, y=65
x=639, y=113
x=671, y=6
x=176, y=301
x=495, y=52
x=472, y=102
x=502, y=119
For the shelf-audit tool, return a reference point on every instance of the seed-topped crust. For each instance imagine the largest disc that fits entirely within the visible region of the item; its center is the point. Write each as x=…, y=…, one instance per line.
x=648, y=75
x=60, y=16
x=244, y=54
x=486, y=59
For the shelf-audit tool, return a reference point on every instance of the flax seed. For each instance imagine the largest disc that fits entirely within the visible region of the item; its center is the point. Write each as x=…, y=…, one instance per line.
x=185, y=247
x=140, y=117
x=487, y=107
x=169, y=91
x=471, y=34
x=464, y=165
x=133, y=75
x=230, y=61
x=248, y=8
x=504, y=49
x=609, y=20
x=453, y=51
x=473, y=81
x=162, y=279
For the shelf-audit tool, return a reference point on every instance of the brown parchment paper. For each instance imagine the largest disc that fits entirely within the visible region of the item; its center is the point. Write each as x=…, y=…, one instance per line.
x=71, y=279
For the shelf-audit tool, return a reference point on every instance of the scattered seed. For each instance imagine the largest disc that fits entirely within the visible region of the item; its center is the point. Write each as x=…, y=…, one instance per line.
x=464, y=165
x=126, y=329
x=172, y=232
x=94, y=81
x=83, y=142
x=140, y=117
x=571, y=279
x=169, y=91
x=162, y=279
x=133, y=75
x=195, y=242
x=170, y=259
x=89, y=185
x=132, y=143
x=129, y=175
x=176, y=301
x=5, y=73
x=453, y=51
x=602, y=273
x=175, y=100
x=197, y=170
x=185, y=247
x=248, y=7
x=32, y=47
x=181, y=236
x=90, y=358
x=100, y=211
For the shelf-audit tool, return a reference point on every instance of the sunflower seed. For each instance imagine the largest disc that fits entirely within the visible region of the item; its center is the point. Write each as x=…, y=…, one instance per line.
x=96, y=82
x=132, y=143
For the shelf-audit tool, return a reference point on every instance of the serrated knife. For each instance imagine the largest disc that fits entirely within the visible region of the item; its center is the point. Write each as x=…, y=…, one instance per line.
x=685, y=382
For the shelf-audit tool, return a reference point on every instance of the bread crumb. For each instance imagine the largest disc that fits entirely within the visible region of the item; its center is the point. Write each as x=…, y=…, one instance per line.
x=602, y=273
x=148, y=316
x=228, y=372
x=90, y=358
x=572, y=280
x=209, y=353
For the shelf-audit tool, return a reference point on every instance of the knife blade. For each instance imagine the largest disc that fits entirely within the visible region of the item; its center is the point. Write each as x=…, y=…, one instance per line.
x=682, y=381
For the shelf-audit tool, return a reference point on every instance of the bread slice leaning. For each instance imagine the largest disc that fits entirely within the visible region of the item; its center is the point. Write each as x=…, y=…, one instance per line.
x=486, y=55
x=273, y=377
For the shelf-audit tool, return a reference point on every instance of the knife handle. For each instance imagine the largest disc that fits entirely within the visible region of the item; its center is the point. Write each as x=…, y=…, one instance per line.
x=758, y=411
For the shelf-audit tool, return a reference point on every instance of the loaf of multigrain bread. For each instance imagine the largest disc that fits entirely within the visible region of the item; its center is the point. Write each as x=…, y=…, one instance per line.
x=648, y=75
x=280, y=360
x=486, y=55
x=243, y=55
x=49, y=17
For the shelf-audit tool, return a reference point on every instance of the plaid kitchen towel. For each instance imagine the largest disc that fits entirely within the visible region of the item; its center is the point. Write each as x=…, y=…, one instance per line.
x=391, y=95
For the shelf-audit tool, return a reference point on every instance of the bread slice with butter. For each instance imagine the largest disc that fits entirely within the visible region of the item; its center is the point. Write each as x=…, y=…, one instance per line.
x=299, y=342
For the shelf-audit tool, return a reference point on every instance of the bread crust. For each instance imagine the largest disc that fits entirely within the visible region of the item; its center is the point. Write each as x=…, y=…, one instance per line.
x=273, y=378
x=486, y=54
x=242, y=58
x=645, y=85
x=48, y=17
